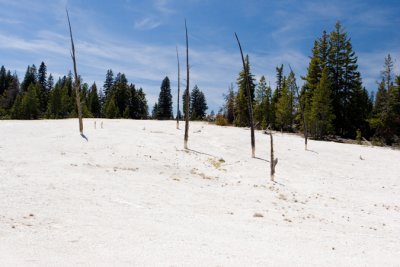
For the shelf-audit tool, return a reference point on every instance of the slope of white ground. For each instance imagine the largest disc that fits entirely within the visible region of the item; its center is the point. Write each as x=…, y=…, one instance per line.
x=131, y=196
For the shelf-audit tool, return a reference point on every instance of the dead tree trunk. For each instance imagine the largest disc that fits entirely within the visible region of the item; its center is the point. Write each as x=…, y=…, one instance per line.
x=249, y=102
x=179, y=87
x=77, y=80
x=187, y=92
x=273, y=160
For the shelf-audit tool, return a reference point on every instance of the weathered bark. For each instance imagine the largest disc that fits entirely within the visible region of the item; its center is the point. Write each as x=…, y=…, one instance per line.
x=249, y=102
x=187, y=92
x=179, y=87
x=77, y=81
x=273, y=160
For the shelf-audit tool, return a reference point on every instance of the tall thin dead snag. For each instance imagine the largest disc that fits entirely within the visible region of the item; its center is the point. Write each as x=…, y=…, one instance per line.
x=249, y=102
x=187, y=91
x=273, y=160
x=179, y=87
x=77, y=80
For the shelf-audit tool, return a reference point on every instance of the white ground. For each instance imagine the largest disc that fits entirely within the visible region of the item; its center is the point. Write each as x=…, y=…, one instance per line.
x=131, y=196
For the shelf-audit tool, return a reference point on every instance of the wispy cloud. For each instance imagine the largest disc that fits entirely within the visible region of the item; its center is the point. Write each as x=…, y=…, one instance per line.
x=147, y=24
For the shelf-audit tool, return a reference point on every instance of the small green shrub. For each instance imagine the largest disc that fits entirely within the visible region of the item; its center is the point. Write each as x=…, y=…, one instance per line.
x=220, y=120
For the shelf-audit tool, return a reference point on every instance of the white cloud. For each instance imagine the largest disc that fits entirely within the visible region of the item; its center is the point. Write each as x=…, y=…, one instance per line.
x=147, y=24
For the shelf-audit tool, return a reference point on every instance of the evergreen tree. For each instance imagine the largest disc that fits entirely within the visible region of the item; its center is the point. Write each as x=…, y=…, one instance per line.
x=230, y=105
x=184, y=104
x=154, y=111
x=262, y=107
x=43, y=86
x=345, y=80
x=165, y=101
x=321, y=111
x=94, y=102
x=142, y=110
x=30, y=106
x=111, y=110
x=385, y=120
x=283, y=111
x=198, y=105
x=30, y=78
x=108, y=83
x=242, y=116
x=3, y=86
x=54, y=105
x=119, y=93
x=276, y=95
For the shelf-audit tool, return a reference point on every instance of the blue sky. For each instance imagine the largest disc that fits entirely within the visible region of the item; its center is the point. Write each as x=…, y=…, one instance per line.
x=138, y=38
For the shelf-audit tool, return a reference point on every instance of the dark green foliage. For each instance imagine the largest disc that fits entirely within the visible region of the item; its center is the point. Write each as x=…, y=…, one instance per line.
x=184, y=97
x=346, y=81
x=164, y=111
x=94, y=102
x=242, y=117
x=30, y=78
x=26, y=106
x=198, y=104
x=108, y=83
x=321, y=116
x=262, y=105
x=276, y=95
x=386, y=112
x=229, y=108
x=154, y=111
x=43, y=87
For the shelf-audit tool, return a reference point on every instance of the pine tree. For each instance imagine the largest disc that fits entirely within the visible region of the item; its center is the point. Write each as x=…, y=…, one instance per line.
x=198, y=105
x=242, y=99
x=30, y=78
x=321, y=111
x=230, y=105
x=43, y=85
x=262, y=104
x=165, y=101
x=3, y=86
x=154, y=111
x=385, y=118
x=29, y=108
x=94, y=102
x=111, y=110
x=276, y=95
x=345, y=78
x=284, y=111
x=108, y=83
x=54, y=105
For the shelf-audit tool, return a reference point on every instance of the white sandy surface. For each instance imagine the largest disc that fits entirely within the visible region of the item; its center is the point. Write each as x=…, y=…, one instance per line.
x=131, y=196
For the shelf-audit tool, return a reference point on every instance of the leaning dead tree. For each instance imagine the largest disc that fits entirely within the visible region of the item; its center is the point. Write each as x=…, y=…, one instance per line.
x=179, y=87
x=273, y=160
x=187, y=91
x=77, y=80
x=250, y=105
x=302, y=111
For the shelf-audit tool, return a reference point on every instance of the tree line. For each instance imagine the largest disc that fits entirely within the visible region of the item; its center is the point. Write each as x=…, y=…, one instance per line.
x=332, y=101
x=38, y=96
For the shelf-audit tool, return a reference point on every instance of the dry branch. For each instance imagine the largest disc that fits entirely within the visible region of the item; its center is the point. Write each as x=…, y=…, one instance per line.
x=187, y=92
x=249, y=102
x=77, y=80
x=179, y=87
x=273, y=160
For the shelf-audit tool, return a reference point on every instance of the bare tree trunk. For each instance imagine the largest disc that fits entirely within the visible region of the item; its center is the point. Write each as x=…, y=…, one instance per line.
x=187, y=92
x=77, y=80
x=179, y=87
x=273, y=160
x=250, y=104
